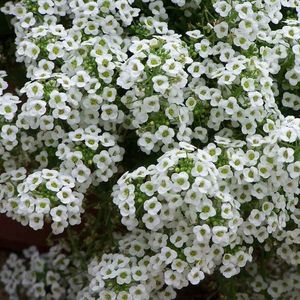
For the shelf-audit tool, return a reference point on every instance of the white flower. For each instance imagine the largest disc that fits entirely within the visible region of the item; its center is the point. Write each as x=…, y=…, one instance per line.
x=151, y=221
x=153, y=61
x=221, y=29
x=196, y=34
x=65, y=195
x=59, y=213
x=9, y=132
x=195, y=276
x=168, y=255
x=152, y=206
x=294, y=169
x=46, y=7
x=196, y=69
x=180, y=181
x=202, y=232
x=55, y=50
x=244, y=10
x=220, y=235
x=147, y=141
x=54, y=184
x=36, y=221
x=160, y=83
x=165, y=134
x=81, y=173
x=27, y=20
x=109, y=112
x=57, y=99
x=223, y=8
x=256, y=217
x=43, y=206
x=81, y=79
x=124, y=276
x=251, y=174
x=171, y=67
x=203, y=48
x=229, y=270
x=206, y=209
x=202, y=185
x=151, y=104
x=172, y=278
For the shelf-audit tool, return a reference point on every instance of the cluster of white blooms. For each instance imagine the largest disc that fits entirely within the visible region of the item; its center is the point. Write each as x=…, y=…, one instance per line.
x=46, y=173
x=217, y=97
x=41, y=194
x=41, y=276
x=167, y=88
x=206, y=208
x=8, y=104
x=278, y=281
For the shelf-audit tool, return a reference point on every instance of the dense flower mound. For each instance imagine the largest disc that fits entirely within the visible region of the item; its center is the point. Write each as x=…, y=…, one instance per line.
x=206, y=94
x=201, y=209
x=282, y=284
x=77, y=158
x=39, y=276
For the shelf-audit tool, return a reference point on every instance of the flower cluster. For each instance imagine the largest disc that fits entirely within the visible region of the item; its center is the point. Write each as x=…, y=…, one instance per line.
x=66, y=163
x=206, y=209
x=41, y=276
x=279, y=281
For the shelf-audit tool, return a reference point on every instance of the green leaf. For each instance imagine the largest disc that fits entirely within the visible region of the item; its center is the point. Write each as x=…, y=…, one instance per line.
x=297, y=154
